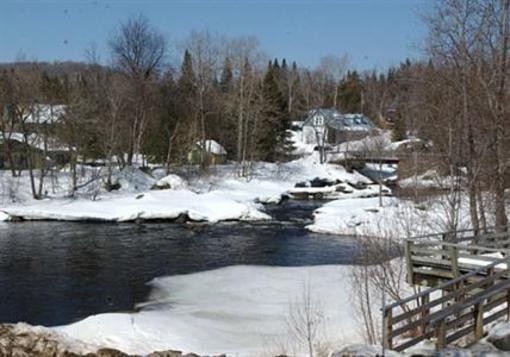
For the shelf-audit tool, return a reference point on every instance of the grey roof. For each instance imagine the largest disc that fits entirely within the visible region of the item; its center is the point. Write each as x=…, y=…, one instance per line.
x=339, y=121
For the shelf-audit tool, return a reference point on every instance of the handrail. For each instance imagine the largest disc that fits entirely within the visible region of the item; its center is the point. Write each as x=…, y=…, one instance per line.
x=447, y=284
x=443, y=258
x=492, y=230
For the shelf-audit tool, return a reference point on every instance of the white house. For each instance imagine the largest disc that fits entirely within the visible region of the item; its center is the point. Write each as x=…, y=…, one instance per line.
x=328, y=126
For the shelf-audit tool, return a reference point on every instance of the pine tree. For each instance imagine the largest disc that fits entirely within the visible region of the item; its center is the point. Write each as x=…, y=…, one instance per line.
x=349, y=93
x=186, y=82
x=399, y=129
x=226, y=81
x=274, y=141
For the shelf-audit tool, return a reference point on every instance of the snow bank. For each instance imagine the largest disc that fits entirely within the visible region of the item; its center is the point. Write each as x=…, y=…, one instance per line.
x=219, y=195
x=3, y=216
x=429, y=179
x=369, y=143
x=173, y=182
x=210, y=207
x=396, y=218
x=239, y=310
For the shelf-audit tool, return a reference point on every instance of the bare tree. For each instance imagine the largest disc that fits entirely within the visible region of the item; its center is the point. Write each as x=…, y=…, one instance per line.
x=334, y=67
x=306, y=318
x=138, y=50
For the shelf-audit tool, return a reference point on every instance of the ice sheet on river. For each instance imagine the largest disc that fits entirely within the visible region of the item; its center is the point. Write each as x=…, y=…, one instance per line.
x=239, y=310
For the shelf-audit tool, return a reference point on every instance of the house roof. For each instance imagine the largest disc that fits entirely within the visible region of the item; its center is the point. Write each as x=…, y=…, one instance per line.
x=212, y=147
x=339, y=121
x=35, y=141
x=45, y=113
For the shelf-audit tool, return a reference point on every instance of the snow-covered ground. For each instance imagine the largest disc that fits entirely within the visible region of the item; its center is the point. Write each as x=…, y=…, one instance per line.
x=396, y=218
x=220, y=195
x=238, y=310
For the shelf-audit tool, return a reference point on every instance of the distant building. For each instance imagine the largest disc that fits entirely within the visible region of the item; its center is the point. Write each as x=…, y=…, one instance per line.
x=35, y=133
x=215, y=153
x=328, y=126
x=35, y=116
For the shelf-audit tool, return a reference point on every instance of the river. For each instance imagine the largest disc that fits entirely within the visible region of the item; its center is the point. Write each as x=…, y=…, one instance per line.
x=54, y=273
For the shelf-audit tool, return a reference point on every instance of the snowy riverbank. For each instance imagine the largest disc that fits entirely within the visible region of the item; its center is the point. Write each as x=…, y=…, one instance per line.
x=218, y=195
x=238, y=310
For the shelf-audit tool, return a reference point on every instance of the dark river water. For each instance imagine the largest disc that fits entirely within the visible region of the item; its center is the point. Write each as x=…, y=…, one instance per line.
x=54, y=273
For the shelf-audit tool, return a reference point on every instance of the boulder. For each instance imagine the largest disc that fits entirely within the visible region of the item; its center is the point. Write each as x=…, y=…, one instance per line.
x=169, y=353
x=172, y=182
x=109, y=352
x=359, y=350
x=499, y=336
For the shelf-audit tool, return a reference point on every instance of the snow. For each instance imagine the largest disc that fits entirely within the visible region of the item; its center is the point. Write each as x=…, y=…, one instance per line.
x=220, y=195
x=173, y=181
x=396, y=145
x=377, y=142
x=428, y=179
x=499, y=331
x=238, y=310
x=300, y=147
x=45, y=113
x=213, y=147
x=35, y=141
x=210, y=207
x=396, y=218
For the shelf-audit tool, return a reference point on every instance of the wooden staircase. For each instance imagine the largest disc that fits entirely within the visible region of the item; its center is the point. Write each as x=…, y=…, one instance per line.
x=468, y=287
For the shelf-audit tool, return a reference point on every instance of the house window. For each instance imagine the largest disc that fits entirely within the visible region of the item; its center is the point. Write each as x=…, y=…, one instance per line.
x=319, y=120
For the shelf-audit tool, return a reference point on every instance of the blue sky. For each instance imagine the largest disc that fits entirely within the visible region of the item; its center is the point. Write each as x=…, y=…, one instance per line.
x=374, y=33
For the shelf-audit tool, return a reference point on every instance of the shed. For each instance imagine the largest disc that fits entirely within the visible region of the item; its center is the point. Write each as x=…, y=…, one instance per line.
x=215, y=153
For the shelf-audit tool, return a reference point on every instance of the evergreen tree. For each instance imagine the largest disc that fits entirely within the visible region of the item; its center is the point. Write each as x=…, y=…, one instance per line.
x=186, y=82
x=226, y=81
x=399, y=131
x=349, y=93
x=274, y=141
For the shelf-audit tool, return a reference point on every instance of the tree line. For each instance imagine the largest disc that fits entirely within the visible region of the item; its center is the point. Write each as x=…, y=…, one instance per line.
x=227, y=89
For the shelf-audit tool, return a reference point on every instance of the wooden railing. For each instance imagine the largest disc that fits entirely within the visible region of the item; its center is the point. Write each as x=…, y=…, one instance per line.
x=436, y=258
x=470, y=287
x=452, y=310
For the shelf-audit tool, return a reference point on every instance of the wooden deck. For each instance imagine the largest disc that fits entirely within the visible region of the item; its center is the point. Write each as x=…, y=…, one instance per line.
x=468, y=286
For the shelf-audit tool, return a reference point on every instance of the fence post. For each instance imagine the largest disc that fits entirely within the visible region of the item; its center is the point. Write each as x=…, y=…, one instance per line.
x=388, y=339
x=478, y=316
x=424, y=312
x=453, y=255
x=409, y=261
x=441, y=335
x=508, y=304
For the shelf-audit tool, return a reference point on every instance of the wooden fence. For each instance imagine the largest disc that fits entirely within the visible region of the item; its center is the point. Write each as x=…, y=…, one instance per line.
x=468, y=275
x=450, y=311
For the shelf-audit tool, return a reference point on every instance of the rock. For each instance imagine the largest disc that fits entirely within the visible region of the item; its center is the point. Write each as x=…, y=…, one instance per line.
x=358, y=185
x=499, y=336
x=302, y=184
x=110, y=352
x=318, y=196
x=173, y=182
x=181, y=218
x=169, y=353
x=359, y=350
x=24, y=343
x=112, y=187
x=318, y=182
x=191, y=355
